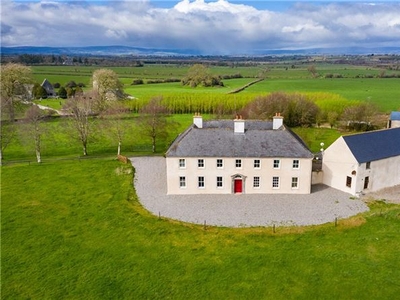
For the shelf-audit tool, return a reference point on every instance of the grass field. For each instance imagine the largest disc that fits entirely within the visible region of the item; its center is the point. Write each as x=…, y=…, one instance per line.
x=63, y=240
x=383, y=92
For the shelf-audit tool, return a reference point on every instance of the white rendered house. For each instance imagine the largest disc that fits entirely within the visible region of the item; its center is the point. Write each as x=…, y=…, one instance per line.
x=363, y=162
x=238, y=156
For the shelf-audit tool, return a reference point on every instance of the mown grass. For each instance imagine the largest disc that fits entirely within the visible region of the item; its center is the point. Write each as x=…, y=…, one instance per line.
x=75, y=230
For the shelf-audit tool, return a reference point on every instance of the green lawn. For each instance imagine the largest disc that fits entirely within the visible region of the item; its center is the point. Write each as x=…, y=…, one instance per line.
x=75, y=230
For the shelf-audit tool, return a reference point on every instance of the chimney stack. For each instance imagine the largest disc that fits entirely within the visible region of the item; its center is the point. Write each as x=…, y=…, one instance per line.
x=277, y=121
x=198, y=120
x=238, y=125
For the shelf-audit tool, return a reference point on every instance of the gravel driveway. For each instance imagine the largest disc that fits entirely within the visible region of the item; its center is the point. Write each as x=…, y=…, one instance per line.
x=323, y=205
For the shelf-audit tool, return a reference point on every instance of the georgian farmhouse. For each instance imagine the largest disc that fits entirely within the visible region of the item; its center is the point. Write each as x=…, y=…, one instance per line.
x=238, y=156
x=364, y=162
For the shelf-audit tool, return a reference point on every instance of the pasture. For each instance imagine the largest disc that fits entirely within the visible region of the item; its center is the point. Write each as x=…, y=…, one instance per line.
x=63, y=240
x=355, y=84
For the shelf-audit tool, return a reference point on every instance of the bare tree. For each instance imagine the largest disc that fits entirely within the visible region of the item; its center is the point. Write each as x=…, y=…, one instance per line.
x=360, y=116
x=313, y=71
x=113, y=124
x=81, y=111
x=154, y=122
x=14, y=78
x=33, y=128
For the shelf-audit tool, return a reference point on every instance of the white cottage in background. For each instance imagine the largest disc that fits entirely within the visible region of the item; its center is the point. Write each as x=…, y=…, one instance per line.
x=364, y=162
x=238, y=156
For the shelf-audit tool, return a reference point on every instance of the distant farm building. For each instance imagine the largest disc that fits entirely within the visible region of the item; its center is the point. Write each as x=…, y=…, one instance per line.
x=49, y=89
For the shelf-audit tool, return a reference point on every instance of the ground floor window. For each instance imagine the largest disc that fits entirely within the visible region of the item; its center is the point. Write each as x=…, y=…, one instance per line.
x=348, y=181
x=275, y=182
x=219, y=181
x=295, y=182
x=200, y=182
x=182, y=181
x=256, y=182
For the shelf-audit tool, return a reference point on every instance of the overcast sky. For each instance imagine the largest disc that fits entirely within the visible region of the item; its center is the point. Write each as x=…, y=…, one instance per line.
x=213, y=27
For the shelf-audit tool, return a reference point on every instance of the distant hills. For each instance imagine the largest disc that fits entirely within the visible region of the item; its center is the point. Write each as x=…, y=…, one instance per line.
x=139, y=51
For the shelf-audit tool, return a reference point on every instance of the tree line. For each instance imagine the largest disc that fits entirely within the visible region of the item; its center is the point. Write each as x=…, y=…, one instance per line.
x=105, y=102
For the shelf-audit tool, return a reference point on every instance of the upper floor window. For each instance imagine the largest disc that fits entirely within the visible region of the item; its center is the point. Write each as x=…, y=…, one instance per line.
x=200, y=181
x=296, y=164
x=238, y=163
x=368, y=165
x=220, y=163
x=257, y=164
x=182, y=181
x=200, y=163
x=277, y=163
x=182, y=163
x=275, y=182
x=256, y=182
x=219, y=181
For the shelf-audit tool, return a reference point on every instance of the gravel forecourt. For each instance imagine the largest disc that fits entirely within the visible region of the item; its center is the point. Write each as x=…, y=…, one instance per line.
x=323, y=205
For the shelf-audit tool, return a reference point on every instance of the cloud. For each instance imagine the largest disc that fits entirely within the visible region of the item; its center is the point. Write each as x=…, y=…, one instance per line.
x=217, y=27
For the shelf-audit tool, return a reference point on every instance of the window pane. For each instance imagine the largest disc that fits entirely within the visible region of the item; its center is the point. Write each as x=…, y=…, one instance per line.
x=256, y=182
x=182, y=163
x=238, y=163
x=200, y=163
x=219, y=163
x=295, y=182
x=296, y=164
x=348, y=181
x=201, y=181
x=276, y=163
x=219, y=181
x=182, y=181
x=275, y=182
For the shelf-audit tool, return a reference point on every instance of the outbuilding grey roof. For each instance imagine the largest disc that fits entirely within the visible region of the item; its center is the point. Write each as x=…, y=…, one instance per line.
x=217, y=139
x=374, y=145
x=395, y=116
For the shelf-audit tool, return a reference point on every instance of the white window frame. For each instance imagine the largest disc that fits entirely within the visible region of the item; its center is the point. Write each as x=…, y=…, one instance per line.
x=220, y=180
x=220, y=160
x=182, y=163
x=201, y=182
x=256, y=182
x=182, y=182
x=277, y=164
x=200, y=162
x=296, y=164
x=238, y=163
x=257, y=164
x=295, y=183
x=275, y=182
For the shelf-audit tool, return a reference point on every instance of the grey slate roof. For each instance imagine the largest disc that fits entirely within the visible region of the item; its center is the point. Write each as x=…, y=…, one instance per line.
x=374, y=145
x=395, y=116
x=217, y=139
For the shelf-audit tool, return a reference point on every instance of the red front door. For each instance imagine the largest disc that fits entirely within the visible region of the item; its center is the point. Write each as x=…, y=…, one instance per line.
x=238, y=186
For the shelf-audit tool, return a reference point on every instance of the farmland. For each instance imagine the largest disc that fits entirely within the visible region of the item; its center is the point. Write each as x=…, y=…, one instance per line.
x=358, y=83
x=73, y=228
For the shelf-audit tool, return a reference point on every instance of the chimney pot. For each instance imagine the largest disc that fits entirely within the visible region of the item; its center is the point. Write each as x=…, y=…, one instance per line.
x=198, y=120
x=277, y=121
